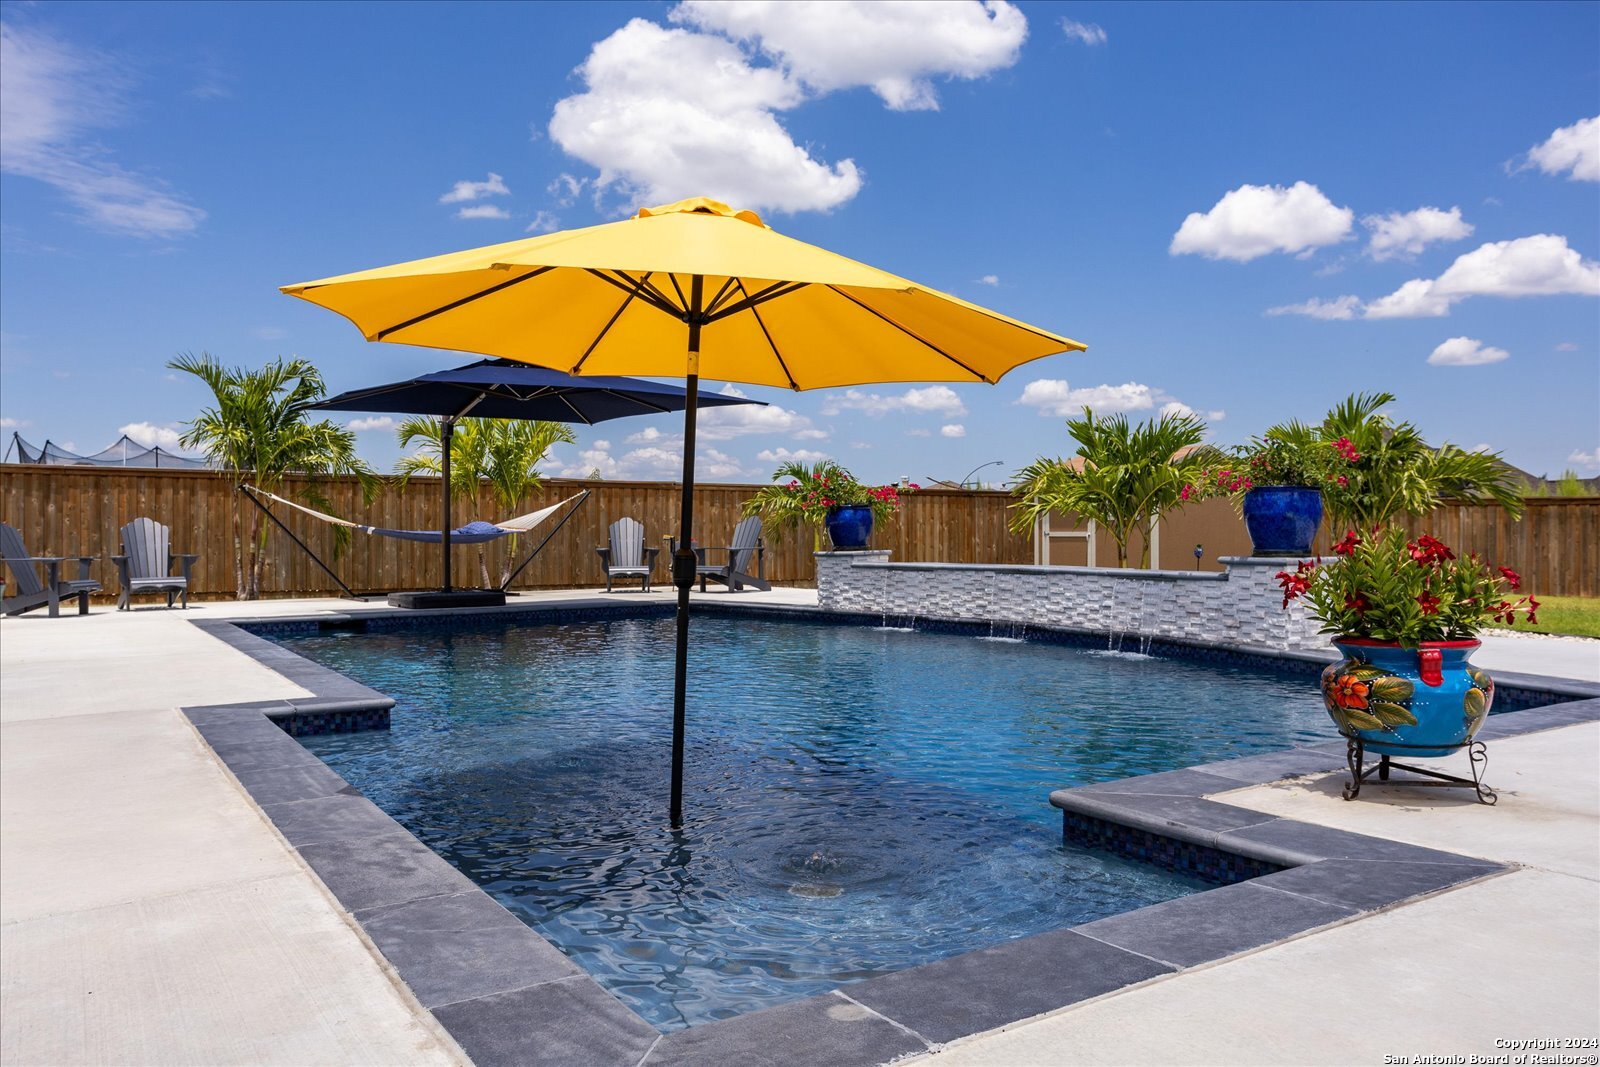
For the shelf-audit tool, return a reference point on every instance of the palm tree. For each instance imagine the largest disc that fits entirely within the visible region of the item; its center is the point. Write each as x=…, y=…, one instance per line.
x=258, y=430
x=1124, y=477
x=503, y=452
x=1397, y=473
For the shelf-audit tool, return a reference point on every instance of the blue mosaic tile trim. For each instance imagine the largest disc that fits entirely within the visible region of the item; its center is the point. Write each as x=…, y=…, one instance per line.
x=1184, y=857
x=453, y=622
x=310, y=723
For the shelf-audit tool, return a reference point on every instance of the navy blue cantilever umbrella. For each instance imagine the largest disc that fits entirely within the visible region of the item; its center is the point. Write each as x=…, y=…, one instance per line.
x=506, y=389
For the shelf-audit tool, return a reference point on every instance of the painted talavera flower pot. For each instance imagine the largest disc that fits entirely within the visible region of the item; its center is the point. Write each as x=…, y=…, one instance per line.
x=1425, y=701
x=849, y=526
x=1282, y=519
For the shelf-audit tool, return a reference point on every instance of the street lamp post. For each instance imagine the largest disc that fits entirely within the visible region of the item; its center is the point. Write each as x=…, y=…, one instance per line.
x=979, y=467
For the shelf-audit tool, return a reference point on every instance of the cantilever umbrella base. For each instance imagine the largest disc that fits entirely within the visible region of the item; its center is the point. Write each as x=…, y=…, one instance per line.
x=455, y=598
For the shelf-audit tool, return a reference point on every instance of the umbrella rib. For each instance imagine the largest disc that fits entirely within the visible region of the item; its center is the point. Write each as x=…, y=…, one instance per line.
x=641, y=401
x=683, y=301
x=601, y=336
x=727, y=287
x=771, y=292
x=911, y=334
x=574, y=409
x=770, y=342
x=426, y=315
x=633, y=287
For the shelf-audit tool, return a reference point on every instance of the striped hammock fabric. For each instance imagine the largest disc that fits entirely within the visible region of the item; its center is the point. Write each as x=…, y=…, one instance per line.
x=471, y=534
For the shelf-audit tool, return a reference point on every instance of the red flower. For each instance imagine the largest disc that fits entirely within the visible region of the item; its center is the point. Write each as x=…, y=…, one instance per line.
x=1356, y=603
x=1296, y=583
x=1187, y=490
x=1427, y=551
x=1513, y=577
x=1346, y=449
x=1533, y=606
x=1428, y=603
x=1348, y=545
x=1342, y=480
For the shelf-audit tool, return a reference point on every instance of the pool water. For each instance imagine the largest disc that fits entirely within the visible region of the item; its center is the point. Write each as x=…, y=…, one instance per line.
x=857, y=801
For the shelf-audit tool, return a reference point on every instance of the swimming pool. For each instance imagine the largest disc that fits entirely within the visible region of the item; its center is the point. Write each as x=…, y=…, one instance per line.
x=858, y=800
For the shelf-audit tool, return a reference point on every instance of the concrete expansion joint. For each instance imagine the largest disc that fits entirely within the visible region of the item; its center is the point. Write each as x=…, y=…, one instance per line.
x=565, y=979
x=933, y=1046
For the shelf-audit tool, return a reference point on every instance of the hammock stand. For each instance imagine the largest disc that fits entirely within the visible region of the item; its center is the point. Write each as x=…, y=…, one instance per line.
x=472, y=533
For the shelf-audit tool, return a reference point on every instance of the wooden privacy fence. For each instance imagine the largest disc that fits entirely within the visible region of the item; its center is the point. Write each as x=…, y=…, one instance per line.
x=67, y=510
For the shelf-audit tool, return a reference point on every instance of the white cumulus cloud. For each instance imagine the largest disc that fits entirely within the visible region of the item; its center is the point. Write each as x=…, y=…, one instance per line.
x=1541, y=265
x=1256, y=220
x=1400, y=234
x=784, y=455
x=1590, y=460
x=738, y=420
x=894, y=49
x=1566, y=346
x=1083, y=32
x=152, y=436
x=670, y=112
x=989, y=279
x=543, y=222
x=952, y=429
x=12, y=424
x=1341, y=307
x=1572, y=150
x=937, y=399
x=372, y=422
x=1057, y=397
x=52, y=97
x=650, y=463
x=1465, y=352
x=466, y=192
x=483, y=211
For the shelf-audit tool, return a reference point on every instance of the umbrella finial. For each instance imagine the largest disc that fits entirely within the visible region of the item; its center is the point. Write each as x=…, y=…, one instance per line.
x=701, y=205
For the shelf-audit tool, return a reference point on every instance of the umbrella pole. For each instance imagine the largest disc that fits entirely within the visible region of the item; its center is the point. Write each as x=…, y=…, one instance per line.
x=683, y=560
x=446, y=431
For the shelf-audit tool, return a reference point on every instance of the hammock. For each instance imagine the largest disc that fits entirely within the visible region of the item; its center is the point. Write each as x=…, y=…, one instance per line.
x=473, y=533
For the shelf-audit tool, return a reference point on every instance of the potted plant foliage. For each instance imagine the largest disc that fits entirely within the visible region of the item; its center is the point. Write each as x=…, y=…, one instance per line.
x=1405, y=614
x=1277, y=483
x=827, y=496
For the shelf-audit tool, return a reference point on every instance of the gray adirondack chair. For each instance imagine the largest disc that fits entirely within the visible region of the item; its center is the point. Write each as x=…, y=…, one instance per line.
x=734, y=572
x=30, y=592
x=626, y=557
x=145, y=565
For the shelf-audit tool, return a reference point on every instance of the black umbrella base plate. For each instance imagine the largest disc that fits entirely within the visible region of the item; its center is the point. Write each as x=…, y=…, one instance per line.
x=456, y=598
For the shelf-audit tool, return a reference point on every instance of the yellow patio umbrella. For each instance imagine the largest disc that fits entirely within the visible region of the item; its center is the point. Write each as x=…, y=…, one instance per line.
x=692, y=289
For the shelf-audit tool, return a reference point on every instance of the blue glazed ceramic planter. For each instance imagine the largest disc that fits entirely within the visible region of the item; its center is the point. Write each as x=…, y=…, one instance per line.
x=849, y=526
x=1424, y=701
x=1282, y=519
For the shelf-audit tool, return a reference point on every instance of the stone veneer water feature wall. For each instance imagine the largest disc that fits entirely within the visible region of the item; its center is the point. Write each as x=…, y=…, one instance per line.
x=1242, y=606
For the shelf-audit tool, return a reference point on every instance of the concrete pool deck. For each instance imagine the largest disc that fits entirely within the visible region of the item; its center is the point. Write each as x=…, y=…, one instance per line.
x=150, y=914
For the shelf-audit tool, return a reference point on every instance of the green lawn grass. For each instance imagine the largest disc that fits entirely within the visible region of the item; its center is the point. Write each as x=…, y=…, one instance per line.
x=1575, y=615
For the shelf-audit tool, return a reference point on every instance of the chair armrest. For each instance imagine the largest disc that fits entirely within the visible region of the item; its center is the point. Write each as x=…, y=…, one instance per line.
x=652, y=552
x=37, y=559
x=84, y=563
x=605, y=557
x=185, y=561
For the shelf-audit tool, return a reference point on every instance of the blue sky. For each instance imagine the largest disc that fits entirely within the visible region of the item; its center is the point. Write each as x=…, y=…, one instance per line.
x=1250, y=211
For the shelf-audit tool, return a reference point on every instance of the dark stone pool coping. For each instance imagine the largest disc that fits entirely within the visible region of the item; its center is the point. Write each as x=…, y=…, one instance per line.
x=509, y=997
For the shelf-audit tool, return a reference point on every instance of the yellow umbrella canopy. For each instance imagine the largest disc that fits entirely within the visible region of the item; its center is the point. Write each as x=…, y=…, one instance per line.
x=688, y=289
x=614, y=299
